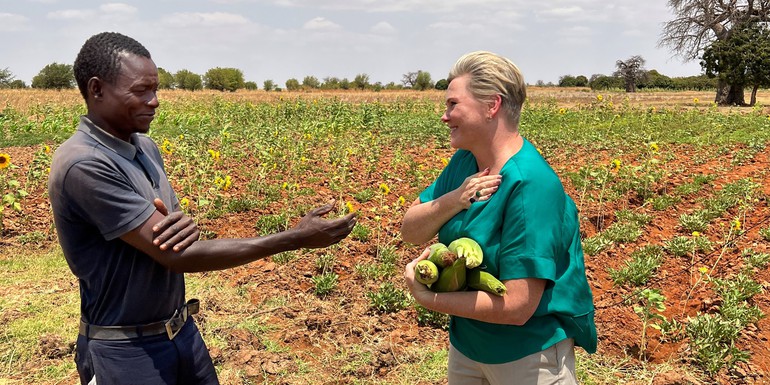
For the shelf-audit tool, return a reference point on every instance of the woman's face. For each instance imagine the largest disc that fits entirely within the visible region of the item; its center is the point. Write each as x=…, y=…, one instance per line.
x=465, y=115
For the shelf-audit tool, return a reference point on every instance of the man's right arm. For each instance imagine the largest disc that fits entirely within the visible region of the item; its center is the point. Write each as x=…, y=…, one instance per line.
x=312, y=231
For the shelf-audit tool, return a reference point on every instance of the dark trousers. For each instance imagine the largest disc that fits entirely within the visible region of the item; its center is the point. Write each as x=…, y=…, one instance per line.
x=153, y=360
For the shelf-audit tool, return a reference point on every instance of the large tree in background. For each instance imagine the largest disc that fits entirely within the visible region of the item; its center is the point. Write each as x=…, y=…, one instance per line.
x=632, y=71
x=423, y=81
x=742, y=58
x=6, y=77
x=165, y=79
x=55, y=76
x=224, y=79
x=699, y=23
x=187, y=80
x=361, y=81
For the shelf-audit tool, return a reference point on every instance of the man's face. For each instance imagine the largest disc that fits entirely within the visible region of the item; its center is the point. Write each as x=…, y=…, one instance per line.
x=128, y=105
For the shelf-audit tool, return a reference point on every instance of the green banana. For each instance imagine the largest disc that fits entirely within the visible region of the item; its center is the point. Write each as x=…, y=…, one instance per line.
x=469, y=249
x=426, y=272
x=441, y=256
x=451, y=278
x=481, y=280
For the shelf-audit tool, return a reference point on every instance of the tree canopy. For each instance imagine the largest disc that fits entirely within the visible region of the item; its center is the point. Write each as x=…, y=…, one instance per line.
x=699, y=23
x=188, y=80
x=632, y=71
x=224, y=79
x=741, y=58
x=55, y=76
x=165, y=79
x=6, y=77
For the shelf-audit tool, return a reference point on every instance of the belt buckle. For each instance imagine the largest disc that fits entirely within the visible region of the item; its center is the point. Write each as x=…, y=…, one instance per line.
x=175, y=323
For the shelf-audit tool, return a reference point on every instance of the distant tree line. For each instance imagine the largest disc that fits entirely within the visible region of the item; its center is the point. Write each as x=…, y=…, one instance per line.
x=631, y=76
x=61, y=76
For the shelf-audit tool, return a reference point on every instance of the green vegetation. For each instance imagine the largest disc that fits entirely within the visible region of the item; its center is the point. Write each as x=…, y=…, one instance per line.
x=664, y=193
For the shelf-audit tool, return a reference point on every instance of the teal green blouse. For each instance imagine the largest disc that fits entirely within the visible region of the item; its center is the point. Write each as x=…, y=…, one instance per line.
x=527, y=229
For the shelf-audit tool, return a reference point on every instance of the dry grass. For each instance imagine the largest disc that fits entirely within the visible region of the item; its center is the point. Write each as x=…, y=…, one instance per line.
x=23, y=100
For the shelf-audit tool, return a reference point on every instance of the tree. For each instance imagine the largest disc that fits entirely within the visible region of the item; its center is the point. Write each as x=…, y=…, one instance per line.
x=311, y=82
x=292, y=84
x=17, y=84
x=741, y=58
x=567, y=81
x=409, y=79
x=251, y=86
x=423, y=81
x=654, y=79
x=187, y=80
x=224, y=79
x=604, y=82
x=6, y=77
x=581, y=81
x=442, y=84
x=632, y=71
x=268, y=85
x=361, y=81
x=699, y=23
x=331, y=83
x=55, y=76
x=165, y=79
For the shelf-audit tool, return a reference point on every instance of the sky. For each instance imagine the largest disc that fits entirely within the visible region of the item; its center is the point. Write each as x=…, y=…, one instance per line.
x=282, y=39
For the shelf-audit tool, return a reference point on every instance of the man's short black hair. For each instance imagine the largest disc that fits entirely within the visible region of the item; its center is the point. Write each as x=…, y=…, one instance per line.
x=100, y=57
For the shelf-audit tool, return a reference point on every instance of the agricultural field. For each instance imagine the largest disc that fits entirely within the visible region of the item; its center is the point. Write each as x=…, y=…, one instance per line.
x=672, y=190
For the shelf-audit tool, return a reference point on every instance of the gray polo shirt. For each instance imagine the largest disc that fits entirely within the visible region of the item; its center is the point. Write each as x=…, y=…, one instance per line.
x=99, y=191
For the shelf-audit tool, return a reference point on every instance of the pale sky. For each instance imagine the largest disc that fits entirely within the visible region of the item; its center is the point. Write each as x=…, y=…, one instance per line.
x=283, y=39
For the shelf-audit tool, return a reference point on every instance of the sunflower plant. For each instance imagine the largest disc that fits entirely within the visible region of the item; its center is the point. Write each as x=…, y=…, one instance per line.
x=10, y=188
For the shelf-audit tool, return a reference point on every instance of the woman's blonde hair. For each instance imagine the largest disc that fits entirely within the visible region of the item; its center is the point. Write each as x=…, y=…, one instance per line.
x=490, y=75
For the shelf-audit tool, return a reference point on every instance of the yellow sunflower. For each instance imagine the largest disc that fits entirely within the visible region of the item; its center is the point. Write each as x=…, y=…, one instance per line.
x=5, y=160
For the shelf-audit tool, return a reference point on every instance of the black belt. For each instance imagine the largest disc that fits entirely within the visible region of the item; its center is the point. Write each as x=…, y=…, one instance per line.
x=170, y=326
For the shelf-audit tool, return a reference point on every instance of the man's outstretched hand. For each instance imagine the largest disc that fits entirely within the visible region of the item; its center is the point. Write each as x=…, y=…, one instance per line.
x=176, y=230
x=319, y=232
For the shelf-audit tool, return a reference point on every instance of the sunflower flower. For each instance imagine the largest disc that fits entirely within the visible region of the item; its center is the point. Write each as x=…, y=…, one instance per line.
x=384, y=188
x=5, y=160
x=166, y=147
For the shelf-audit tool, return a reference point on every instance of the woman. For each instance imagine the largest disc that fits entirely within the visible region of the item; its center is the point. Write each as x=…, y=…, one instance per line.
x=498, y=190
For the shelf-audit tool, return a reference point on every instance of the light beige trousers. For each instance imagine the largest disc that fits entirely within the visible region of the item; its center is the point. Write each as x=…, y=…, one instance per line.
x=552, y=366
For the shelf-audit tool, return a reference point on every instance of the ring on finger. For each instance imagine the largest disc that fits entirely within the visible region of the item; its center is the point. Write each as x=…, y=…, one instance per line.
x=472, y=200
x=478, y=193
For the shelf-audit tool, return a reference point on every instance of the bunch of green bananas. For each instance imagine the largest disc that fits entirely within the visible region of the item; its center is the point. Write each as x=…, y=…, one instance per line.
x=457, y=267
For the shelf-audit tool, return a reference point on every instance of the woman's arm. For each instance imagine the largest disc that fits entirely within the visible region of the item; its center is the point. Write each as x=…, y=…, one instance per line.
x=514, y=308
x=423, y=220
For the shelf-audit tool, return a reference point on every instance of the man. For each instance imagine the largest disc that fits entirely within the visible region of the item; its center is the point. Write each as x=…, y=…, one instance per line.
x=108, y=192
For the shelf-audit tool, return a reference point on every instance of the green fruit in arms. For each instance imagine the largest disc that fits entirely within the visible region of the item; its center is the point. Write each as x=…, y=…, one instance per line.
x=469, y=249
x=441, y=256
x=481, y=280
x=426, y=272
x=451, y=278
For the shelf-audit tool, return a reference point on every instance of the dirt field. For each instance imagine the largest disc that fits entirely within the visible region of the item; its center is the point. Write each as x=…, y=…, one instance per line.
x=315, y=329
